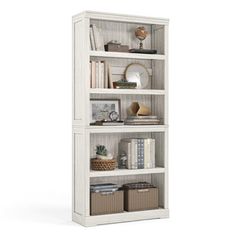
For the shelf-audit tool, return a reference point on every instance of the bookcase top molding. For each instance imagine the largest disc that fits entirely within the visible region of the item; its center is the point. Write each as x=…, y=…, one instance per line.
x=120, y=18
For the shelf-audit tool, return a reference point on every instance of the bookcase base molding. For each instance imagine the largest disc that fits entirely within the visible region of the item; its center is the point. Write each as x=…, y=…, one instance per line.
x=120, y=217
x=107, y=128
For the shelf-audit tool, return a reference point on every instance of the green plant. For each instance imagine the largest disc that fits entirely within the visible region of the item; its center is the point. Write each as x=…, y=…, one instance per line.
x=101, y=150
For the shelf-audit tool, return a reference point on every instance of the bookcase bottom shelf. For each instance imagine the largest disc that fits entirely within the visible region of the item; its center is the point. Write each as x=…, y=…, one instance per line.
x=120, y=217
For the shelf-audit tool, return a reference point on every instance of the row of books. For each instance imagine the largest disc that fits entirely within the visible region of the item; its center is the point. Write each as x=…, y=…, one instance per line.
x=99, y=77
x=96, y=38
x=140, y=152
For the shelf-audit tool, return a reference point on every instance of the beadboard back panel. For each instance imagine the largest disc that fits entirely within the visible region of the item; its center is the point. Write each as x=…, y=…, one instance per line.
x=155, y=103
x=122, y=32
x=159, y=181
x=111, y=141
x=120, y=180
x=155, y=69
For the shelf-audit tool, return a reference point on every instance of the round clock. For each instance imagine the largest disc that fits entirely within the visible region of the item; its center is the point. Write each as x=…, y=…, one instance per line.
x=114, y=116
x=137, y=73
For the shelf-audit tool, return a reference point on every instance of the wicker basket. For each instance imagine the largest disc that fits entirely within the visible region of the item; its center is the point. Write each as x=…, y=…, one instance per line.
x=99, y=164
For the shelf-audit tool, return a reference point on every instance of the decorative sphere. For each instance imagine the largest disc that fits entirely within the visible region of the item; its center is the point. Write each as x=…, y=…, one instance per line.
x=141, y=33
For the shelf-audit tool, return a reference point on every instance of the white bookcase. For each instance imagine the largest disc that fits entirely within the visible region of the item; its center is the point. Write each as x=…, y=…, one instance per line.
x=85, y=137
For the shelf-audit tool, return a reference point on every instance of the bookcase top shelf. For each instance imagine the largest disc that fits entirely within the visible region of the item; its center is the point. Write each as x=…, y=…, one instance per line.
x=127, y=55
x=122, y=172
x=120, y=18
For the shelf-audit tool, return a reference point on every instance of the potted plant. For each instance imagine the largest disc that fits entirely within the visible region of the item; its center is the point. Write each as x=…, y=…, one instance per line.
x=101, y=153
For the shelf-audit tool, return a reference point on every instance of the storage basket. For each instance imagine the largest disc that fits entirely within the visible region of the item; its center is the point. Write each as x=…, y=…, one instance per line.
x=106, y=202
x=141, y=198
x=99, y=164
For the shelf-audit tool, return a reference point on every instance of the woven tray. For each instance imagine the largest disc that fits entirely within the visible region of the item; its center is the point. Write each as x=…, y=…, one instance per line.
x=98, y=164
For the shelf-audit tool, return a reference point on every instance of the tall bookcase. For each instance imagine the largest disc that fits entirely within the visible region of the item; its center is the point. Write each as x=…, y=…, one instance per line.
x=85, y=137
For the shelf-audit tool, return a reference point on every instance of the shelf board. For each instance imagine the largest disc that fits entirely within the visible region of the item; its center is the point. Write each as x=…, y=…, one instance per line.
x=127, y=91
x=127, y=55
x=127, y=128
x=122, y=172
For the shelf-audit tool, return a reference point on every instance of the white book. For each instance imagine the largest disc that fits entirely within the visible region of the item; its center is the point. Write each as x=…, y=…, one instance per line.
x=96, y=37
x=105, y=74
x=93, y=72
x=92, y=42
x=102, y=74
x=97, y=75
x=110, y=84
x=90, y=72
x=147, y=154
x=152, y=153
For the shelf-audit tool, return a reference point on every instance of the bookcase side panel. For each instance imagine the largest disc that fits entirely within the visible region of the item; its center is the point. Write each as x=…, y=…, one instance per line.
x=80, y=71
x=80, y=170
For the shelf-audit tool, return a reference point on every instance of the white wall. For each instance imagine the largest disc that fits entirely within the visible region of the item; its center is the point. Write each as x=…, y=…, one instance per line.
x=35, y=119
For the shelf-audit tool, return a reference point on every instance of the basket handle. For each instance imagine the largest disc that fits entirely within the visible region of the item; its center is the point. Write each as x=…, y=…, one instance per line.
x=143, y=190
x=106, y=193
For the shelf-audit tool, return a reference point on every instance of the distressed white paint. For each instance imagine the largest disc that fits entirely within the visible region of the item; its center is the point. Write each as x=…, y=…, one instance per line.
x=85, y=137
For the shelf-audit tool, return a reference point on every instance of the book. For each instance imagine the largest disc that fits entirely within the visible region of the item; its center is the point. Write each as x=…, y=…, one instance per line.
x=93, y=74
x=97, y=74
x=108, y=123
x=153, y=154
x=110, y=84
x=91, y=36
x=98, y=38
x=140, y=153
x=147, y=156
x=105, y=74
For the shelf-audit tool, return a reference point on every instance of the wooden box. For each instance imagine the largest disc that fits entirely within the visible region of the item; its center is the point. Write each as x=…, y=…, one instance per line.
x=111, y=47
x=106, y=202
x=140, y=199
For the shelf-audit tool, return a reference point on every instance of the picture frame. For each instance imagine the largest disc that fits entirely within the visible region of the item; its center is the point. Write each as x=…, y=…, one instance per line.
x=101, y=108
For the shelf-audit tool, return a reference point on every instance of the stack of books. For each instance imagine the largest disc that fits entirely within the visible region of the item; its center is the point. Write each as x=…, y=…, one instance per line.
x=140, y=152
x=96, y=38
x=99, y=74
x=108, y=187
x=142, y=120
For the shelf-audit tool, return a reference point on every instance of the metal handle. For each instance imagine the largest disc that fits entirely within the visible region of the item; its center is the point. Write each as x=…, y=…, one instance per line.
x=143, y=190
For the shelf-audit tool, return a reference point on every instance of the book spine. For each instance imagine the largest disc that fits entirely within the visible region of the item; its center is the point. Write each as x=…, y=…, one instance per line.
x=134, y=156
x=105, y=74
x=92, y=42
x=152, y=153
x=96, y=37
x=146, y=154
x=140, y=153
x=93, y=74
x=90, y=71
x=102, y=75
x=97, y=75
x=110, y=84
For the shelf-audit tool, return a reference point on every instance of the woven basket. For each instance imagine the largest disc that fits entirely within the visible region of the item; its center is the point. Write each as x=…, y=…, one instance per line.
x=99, y=164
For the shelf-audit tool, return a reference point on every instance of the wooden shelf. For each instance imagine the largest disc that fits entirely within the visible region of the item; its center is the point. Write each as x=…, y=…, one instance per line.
x=127, y=91
x=127, y=55
x=126, y=128
x=122, y=172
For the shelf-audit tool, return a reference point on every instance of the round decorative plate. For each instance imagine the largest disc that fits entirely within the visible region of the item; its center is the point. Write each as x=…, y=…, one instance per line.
x=137, y=73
